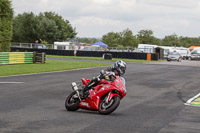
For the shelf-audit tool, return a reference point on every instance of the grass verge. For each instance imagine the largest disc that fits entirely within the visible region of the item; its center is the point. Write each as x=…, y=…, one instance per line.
x=99, y=58
x=51, y=65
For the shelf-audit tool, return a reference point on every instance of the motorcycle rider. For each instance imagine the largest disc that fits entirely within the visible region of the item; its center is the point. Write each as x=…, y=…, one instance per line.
x=118, y=69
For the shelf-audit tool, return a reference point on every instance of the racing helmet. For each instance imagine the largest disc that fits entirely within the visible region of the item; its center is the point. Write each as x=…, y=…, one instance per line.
x=120, y=67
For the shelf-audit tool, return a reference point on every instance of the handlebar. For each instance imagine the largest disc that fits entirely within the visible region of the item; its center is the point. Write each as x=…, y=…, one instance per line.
x=107, y=75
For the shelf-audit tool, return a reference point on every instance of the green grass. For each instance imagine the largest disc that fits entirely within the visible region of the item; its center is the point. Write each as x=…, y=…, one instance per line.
x=51, y=65
x=99, y=58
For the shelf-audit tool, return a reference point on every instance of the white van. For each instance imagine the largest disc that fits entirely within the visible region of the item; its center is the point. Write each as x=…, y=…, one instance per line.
x=147, y=48
x=195, y=54
x=185, y=53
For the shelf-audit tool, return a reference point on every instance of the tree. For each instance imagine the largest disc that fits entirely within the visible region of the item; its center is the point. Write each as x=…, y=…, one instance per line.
x=64, y=29
x=112, y=39
x=188, y=41
x=25, y=28
x=6, y=19
x=127, y=39
x=171, y=40
x=156, y=41
x=47, y=29
x=47, y=26
x=121, y=39
x=146, y=37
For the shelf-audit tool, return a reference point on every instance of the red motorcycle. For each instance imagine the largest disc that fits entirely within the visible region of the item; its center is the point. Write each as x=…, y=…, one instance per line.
x=104, y=97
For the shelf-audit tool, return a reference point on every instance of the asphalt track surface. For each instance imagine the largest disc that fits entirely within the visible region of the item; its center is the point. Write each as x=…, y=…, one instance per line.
x=154, y=103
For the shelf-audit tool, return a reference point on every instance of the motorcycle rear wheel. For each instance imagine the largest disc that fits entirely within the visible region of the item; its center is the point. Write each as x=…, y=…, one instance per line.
x=71, y=103
x=107, y=108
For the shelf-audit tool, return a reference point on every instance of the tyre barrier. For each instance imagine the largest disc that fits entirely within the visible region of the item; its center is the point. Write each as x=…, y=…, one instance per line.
x=123, y=55
x=107, y=56
x=16, y=57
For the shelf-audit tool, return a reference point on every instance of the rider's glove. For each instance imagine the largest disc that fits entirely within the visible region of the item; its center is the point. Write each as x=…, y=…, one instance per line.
x=96, y=79
x=108, y=75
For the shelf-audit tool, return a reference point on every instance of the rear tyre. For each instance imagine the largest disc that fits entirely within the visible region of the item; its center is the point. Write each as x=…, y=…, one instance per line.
x=107, y=108
x=72, y=102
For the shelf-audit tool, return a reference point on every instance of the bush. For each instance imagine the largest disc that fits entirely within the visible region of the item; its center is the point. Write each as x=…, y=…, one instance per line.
x=6, y=18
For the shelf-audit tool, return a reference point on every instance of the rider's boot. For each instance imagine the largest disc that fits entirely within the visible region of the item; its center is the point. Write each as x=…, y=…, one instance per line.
x=85, y=91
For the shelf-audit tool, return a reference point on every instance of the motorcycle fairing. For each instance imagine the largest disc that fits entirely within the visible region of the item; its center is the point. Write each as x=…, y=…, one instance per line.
x=102, y=89
x=85, y=81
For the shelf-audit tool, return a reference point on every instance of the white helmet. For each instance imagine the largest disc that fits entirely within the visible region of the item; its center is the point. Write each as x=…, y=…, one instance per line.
x=120, y=66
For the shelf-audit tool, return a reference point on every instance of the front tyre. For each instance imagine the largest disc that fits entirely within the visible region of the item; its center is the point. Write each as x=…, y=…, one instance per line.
x=107, y=108
x=72, y=102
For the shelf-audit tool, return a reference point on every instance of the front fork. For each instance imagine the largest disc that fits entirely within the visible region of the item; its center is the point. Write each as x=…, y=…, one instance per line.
x=110, y=96
x=75, y=88
x=78, y=95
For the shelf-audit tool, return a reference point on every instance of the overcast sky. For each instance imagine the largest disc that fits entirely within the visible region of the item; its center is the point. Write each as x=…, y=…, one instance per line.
x=95, y=18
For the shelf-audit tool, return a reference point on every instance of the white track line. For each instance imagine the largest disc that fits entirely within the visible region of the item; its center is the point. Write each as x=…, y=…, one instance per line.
x=11, y=82
x=192, y=99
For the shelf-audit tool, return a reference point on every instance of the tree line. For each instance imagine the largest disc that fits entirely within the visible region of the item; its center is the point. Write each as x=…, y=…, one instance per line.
x=127, y=39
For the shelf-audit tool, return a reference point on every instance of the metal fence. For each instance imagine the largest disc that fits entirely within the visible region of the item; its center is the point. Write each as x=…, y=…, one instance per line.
x=28, y=45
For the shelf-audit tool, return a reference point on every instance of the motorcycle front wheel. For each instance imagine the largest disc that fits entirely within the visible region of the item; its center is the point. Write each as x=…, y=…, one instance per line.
x=107, y=108
x=72, y=102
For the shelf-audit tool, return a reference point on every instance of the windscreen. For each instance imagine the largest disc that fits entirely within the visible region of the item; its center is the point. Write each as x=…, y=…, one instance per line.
x=123, y=81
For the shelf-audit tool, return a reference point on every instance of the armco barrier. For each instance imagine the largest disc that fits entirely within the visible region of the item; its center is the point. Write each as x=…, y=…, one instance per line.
x=124, y=55
x=16, y=57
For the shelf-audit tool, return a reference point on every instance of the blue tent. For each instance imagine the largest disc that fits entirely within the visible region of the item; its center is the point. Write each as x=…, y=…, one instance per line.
x=99, y=43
